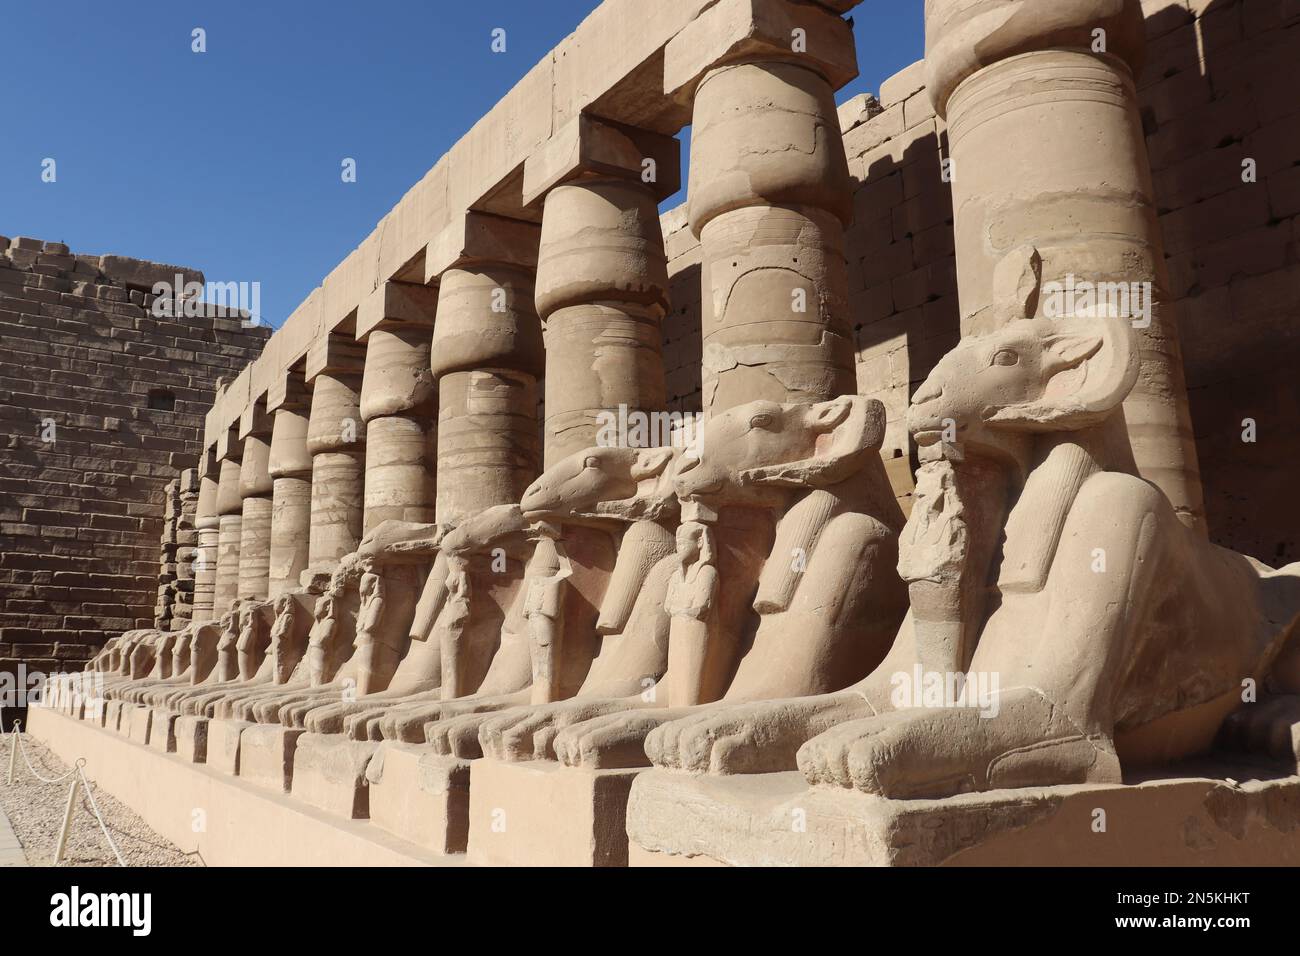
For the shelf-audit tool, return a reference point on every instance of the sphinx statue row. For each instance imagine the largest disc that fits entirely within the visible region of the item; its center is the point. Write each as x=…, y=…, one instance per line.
x=755, y=602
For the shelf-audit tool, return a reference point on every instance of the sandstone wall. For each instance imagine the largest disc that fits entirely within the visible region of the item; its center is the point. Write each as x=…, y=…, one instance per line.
x=122, y=394
x=1218, y=88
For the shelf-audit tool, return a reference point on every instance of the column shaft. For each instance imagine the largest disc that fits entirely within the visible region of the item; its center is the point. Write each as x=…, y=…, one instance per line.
x=255, y=487
x=770, y=195
x=336, y=440
x=230, y=508
x=486, y=357
x=397, y=395
x=602, y=293
x=207, y=523
x=290, y=468
x=1048, y=151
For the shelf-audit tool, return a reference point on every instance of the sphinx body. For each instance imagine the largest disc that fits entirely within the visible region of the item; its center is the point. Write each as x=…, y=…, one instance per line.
x=1116, y=635
x=805, y=598
x=626, y=494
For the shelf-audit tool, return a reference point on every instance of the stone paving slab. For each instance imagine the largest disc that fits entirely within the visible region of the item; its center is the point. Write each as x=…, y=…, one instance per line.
x=11, y=851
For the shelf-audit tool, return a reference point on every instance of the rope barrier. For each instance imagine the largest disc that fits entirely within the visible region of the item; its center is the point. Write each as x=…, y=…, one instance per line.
x=17, y=747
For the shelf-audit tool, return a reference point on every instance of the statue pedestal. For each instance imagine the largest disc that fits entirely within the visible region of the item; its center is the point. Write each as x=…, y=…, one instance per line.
x=675, y=819
x=266, y=753
x=542, y=813
x=223, y=744
x=420, y=796
x=329, y=772
x=136, y=723
x=162, y=731
x=191, y=734
x=113, y=715
x=92, y=711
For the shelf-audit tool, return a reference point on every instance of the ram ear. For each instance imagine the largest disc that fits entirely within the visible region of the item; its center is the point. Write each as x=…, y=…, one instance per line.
x=1017, y=281
x=1102, y=361
x=651, y=462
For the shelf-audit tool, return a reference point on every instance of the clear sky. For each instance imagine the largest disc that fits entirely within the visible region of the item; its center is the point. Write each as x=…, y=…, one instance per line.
x=229, y=160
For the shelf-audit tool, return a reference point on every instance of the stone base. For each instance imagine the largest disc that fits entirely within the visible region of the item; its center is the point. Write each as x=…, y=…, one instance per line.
x=776, y=819
x=420, y=796
x=542, y=813
x=329, y=772
x=191, y=735
x=92, y=711
x=242, y=825
x=223, y=744
x=266, y=754
x=112, y=715
x=136, y=723
x=162, y=730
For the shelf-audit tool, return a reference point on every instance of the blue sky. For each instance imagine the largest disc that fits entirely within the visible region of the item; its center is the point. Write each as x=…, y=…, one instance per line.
x=229, y=160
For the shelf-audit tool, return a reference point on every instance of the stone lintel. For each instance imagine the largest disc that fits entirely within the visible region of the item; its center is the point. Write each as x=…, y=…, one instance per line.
x=736, y=30
x=587, y=145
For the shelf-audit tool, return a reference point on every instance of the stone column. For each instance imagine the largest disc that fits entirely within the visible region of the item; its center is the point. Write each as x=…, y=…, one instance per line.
x=486, y=358
x=230, y=509
x=1048, y=151
x=255, y=487
x=290, y=469
x=207, y=523
x=769, y=198
x=602, y=275
x=336, y=439
x=398, y=402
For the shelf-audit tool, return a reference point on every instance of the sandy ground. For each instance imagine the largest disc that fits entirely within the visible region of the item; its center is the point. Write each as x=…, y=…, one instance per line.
x=35, y=811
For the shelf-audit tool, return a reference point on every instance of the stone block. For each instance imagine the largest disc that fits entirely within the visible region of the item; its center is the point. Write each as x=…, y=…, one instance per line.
x=329, y=772
x=266, y=754
x=191, y=736
x=420, y=796
x=777, y=820
x=541, y=813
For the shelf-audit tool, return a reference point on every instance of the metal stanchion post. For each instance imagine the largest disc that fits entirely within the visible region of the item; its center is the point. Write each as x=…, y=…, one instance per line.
x=67, y=819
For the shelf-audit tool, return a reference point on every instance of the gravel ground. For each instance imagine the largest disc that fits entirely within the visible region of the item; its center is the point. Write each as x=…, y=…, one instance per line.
x=35, y=810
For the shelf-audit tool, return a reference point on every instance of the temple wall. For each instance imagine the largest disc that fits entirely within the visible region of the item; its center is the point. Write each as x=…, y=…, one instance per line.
x=121, y=396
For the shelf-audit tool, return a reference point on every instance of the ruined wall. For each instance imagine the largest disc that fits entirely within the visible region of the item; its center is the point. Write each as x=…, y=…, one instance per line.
x=101, y=406
x=1218, y=88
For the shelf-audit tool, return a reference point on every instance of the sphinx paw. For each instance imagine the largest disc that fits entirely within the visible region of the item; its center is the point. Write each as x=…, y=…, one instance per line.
x=509, y=735
x=720, y=742
x=612, y=740
x=456, y=736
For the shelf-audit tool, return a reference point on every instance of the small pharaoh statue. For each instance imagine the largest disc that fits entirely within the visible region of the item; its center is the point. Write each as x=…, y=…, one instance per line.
x=544, y=608
x=451, y=624
x=692, y=593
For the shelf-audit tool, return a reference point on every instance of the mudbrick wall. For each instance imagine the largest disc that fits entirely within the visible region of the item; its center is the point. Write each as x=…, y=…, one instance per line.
x=101, y=405
x=1218, y=89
